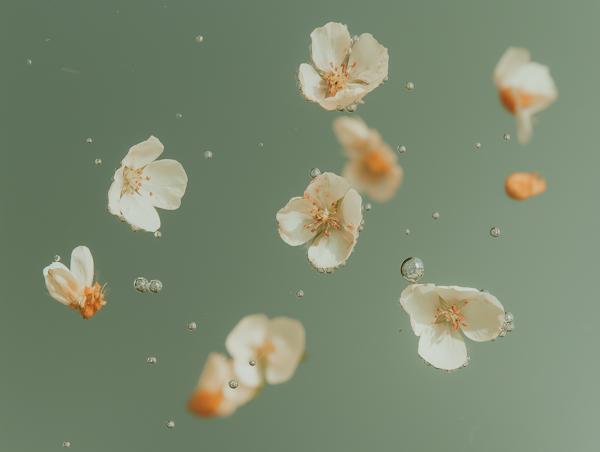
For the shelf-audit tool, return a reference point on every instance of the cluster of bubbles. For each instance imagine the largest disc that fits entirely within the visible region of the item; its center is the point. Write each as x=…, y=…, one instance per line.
x=401, y=149
x=495, y=232
x=299, y=293
x=435, y=215
x=142, y=285
x=509, y=324
x=208, y=155
x=170, y=424
x=449, y=371
x=329, y=270
x=191, y=326
x=151, y=360
x=412, y=269
x=233, y=383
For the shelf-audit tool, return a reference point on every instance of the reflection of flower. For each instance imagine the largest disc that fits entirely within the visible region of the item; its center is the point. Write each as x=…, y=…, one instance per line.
x=330, y=213
x=522, y=186
x=344, y=71
x=214, y=396
x=373, y=167
x=276, y=345
x=74, y=287
x=141, y=184
x=437, y=314
x=525, y=88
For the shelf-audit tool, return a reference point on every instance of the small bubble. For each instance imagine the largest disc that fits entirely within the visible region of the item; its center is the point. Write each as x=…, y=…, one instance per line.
x=435, y=215
x=477, y=145
x=178, y=115
x=401, y=149
x=509, y=318
x=134, y=228
x=66, y=444
x=121, y=218
x=199, y=39
x=351, y=108
x=315, y=172
x=506, y=136
x=495, y=232
x=366, y=207
x=299, y=293
x=502, y=333
x=355, y=38
x=56, y=258
x=28, y=61
x=191, y=326
x=360, y=228
x=151, y=360
x=510, y=327
x=261, y=144
x=208, y=155
x=409, y=86
x=233, y=384
x=340, y=108
x=157, y=234
x=320, y=271
x=252, y=363
x=89, y=140
x=98, y=162
x=484, y=291
x=412, y=269
x=385, y=79
x=141, y=284
x=170, y=424
x=406, y=231
x=155, y=286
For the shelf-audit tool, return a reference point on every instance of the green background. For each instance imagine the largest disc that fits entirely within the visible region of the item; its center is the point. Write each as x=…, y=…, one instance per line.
x=362, y=386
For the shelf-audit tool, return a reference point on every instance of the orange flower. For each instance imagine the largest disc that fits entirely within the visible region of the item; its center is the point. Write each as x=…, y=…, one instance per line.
x=522, y=186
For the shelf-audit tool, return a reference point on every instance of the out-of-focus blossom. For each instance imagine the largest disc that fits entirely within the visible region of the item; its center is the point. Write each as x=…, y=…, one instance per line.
x=373, y=167
x=329, y=214
x=522, y=186
x=74, y=288
x=141, y=184
x=525, y=88
x=344, y=70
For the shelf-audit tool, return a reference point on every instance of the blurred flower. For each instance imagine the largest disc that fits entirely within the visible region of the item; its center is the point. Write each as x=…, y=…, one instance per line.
x=344, y=71
x=141, y=184
x=373, y=167
x=329, y=213
x=522, y=186
x=213, y=395
x=437, y=314
x=525, y=88
x=74, y=287
x=276, y=345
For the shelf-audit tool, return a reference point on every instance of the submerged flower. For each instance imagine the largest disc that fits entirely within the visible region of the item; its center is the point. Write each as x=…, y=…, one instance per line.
x=213, y=395
x=276, y=345
x=438, y=314
x=525, y=88
x=373, y=167
x=141, y=184
x=522, y=186
x=74, y=288
x=329, y=214
x=344, y=71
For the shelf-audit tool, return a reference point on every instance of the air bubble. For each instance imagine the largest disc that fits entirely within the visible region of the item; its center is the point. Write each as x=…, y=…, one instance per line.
x=199, y=39
x=208, y=155
x=191, y=326
x=509, y=318
x=409, y=86
x=178, y=115
x=315, y=172
x=157, y=234
x=170, y=424
x=412, y=269
x=28, y=61
x=155, y=286
x=495, y=232
x=151, y=360
x=502, y=333
x=484, y=291
x=261, y=144
x=56, y=258
x=406, y=231
x=299, y=293
x=89, y=140
x=355, y=38
x=98, y=162
x=320, y=271
x=66, y=444
x=252, y=363
x=121, y=218
x=141, y=284
x=506, y=136
x=477, y=145
x=351, y=108
x=340, y=108
x=366, y=207
x=510, y=327
x=401, y=149
x=435, y=215
x=233, y=383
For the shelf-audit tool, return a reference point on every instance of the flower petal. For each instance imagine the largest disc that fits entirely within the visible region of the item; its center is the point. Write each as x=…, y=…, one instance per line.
x=326, y=189
x=352, y=133
x=420, y=301
x=242, y=343
x=114, y=192
x=82, y=266
x=292, y=219
x=484, y=316
x=371, y=60
x=62, y=285
x=143, y=153
x=289, y=341
x=330, y=45
x=513, y=59
x=167, y=184
x=443, y=346
x=139, y=212
x=350, y=211
x=326, y=252
x=345, y=97
x=314, y=88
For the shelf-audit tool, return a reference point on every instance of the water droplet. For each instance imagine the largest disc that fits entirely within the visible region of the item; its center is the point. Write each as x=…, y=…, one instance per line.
x=98, y=162
x=435, y=215
x=406, y=231
x=412, y=269
x=261, y=144
x=178, y=115
x=252, y=363
x=340, y=108
x=401, y=149
x=409, y=86
x=199, y=39
x=191, y=326
x=121, y=218
x=509, y=318
x=502, y=333
x=484, y=291
x=360, y=228
x=233, y=383
x=134, y=228
x=170, y=424
x=385, y=79
x=208, y=155
x=355, y=38
x=477, y=145
x=141, y=284
x=351, y=108
x=155, y=286
x=495, y=232
x=89, y=140
x=56, y=258
x=28, y=61
x=510, y=327
x=329, y=270
x=299, y=293
x=66, y=444
x=506, y=136
x=158, y=234
x=315, y=172
x=366, y=207
x=151, y=360
x=320, y=271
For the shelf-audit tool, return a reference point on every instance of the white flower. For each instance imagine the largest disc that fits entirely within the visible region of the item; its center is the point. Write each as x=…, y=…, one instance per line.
x=330, y=213
x=373, y=167
x=141, y=184
x=525, y=88
x=438, y=314
x=74, y=288
x=213, y=395
x=276, y=345
x=343, y=71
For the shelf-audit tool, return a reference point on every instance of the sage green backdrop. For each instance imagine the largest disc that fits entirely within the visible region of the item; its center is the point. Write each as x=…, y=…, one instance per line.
x=362, y=386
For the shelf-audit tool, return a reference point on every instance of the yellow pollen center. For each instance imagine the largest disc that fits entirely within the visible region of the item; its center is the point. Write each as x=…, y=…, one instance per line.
x=133, y=180
x=451, y=315
x=338, y=77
